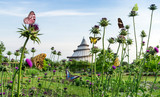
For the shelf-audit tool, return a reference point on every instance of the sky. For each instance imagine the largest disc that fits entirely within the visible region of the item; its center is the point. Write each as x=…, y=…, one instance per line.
x=64, y=23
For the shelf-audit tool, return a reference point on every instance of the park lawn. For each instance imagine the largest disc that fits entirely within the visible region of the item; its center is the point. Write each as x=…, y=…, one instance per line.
x=71, y=89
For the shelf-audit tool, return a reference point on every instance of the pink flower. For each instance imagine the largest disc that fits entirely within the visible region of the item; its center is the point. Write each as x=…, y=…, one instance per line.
x=156, y=49
x=147, y=50
x=29, y=62
x=114, y=67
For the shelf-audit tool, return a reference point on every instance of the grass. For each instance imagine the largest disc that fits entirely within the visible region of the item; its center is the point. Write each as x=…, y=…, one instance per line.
x=71, y=89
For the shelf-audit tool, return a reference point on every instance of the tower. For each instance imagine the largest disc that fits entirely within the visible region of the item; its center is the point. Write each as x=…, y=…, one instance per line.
x=82, y=52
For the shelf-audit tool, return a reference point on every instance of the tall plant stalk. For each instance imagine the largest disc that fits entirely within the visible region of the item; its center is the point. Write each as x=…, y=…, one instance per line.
x=95, y=66
x=12, y=92
x=103, y=55
x=92, y=73
x=128, y=49
x=20, y=67
x=150, y=28
x=2, y=82
x=135, y=37
x=118, y=48
x=141, y=47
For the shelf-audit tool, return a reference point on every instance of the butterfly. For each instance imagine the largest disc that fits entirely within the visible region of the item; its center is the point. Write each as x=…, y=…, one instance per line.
x=38, y=60
x=30, y=19
x=94, y=39
x=70, y=77
x=116, y=62
x=120, y=23
x=135, y=8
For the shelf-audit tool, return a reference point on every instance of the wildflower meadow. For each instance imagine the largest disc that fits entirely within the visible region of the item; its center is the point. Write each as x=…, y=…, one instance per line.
x=109, y=74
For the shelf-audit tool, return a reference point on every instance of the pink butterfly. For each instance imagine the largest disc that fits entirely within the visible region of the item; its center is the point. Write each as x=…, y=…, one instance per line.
x=30, y=19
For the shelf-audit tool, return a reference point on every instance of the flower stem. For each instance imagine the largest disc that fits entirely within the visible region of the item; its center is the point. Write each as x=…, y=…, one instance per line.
x=92, y=73
x=20, y=67
x=95, y=66
x=120, y=74
x=13, y=83
x=150, y=29
x=2, y=82
x=118, y=49
x=141, y=47
x=128, y=49
x=135, y=37
x=58, y=58
x=103, y=56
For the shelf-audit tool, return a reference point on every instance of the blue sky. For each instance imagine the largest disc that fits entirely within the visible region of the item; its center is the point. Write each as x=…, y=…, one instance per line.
x=64, y=23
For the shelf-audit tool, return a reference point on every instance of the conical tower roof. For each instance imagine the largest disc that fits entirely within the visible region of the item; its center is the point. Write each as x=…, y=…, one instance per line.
x=83, y=43
x=82, y=52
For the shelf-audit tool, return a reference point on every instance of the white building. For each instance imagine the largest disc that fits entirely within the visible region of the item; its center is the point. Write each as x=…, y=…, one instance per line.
x=82, y=52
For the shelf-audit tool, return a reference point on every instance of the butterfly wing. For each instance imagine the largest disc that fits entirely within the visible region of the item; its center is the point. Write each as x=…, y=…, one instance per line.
x=98, y=38
x=120, y=23
x=26, y=20
x=135, y=8
x=94, y=40
x=30, y=19
x=91, y=39
x=70, y=77
x=67, y=75
x=38, y=60
x=116, y=62
x=74, y=77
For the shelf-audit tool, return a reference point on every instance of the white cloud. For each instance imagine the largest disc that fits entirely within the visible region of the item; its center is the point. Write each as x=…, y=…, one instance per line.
x=18, y=13
x=63, y=13
x=11, y=13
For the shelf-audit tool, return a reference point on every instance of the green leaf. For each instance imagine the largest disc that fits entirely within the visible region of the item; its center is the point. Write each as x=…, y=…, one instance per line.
x=141, y=90
x=135, y=8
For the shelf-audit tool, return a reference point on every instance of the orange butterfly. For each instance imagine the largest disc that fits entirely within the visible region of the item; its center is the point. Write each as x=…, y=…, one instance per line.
x=38, y=60
x=116, y=62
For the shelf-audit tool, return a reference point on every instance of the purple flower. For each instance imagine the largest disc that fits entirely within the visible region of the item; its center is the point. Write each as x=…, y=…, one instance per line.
x=147, y=50
x=99, y=74
x=49, y=64
x=96, y=26
x=156, y=49
x=38, y=78
x=23, y=94
x=54, y=71
x=90, y=83
x=35, y=26
x=87, y=81
x=16, y=67
x=159, y=63
x=63, y=60
x=17, y=50
x=29, y=62
x=3, y=93
x=114, y=67
x=65, y=89
x=45, y=74
x=45, y=92
x=143, y=42
x=70, y=59
x=29, y=81
x=0, y=84
x=11, y=81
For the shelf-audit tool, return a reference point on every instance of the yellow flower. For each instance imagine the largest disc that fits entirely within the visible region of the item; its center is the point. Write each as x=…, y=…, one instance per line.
x=116, y=62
